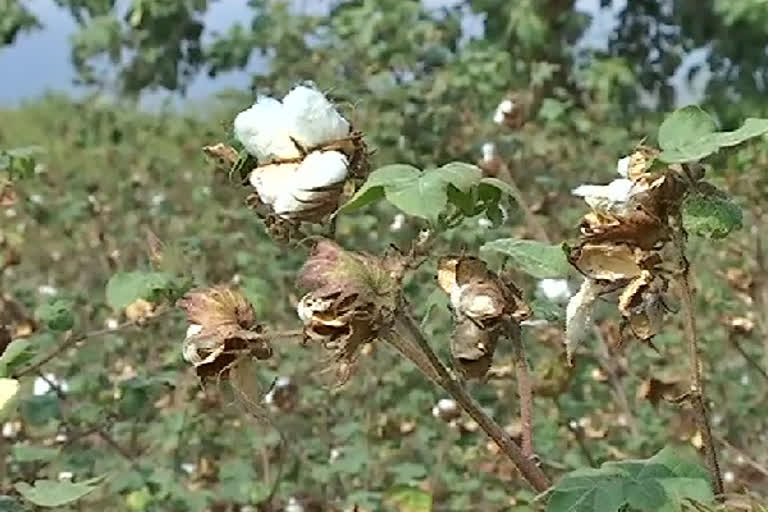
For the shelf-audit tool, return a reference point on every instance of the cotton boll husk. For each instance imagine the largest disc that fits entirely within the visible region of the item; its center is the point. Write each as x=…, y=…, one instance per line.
x=312, y=119
x=609, y=197
x=578, y=315
x=275, y=181
x=264, y=130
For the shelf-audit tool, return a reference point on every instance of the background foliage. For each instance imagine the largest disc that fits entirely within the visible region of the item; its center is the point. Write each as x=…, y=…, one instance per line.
x=95, y=173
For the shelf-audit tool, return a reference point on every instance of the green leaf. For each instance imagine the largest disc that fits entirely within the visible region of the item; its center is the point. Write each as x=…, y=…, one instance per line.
x=56, y=314
x=689, y=134
x=588, y=490
x=9, y=389
x=423, y=196
x=684, y=127
x=16, y=354
x=51, y=493
x=535, y=258
x=406, y=498
x=39, y=410
x=461, y=175
x=373, y=188
x=23, y=452
x=710, y=213
x=124, y=288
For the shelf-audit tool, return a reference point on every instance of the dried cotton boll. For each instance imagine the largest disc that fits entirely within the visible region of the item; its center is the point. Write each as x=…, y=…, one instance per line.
x=312, y=119
x=264, y=130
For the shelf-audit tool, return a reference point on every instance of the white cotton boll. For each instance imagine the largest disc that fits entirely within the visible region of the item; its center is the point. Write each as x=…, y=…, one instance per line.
x=622, y=166
x=613, y=196
x=193, y=330
x=556, y=290
x=321, y=169
x=293, y=505
x=189, y=467
x=312, y=119
x=274, y=181
x=397, y=223
x=578, y=315
x=41, y=387
x=489, y=151
x=484, y=222
x=66, y=475
x=263, y=130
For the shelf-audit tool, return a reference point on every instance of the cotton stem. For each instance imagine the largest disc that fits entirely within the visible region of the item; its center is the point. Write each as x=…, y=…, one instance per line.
x=406, y=329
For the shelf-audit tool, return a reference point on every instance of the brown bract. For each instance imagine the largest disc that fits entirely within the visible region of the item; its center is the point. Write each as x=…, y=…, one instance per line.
x=223, y=330
x=351, y=297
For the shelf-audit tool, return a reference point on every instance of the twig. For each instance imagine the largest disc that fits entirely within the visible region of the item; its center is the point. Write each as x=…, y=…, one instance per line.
x=406, y=328
x=749, y=460
x=761, y=296
x=524, y=390
x=70, y=341
x=696, y=395
x=506, y=176
x=754, y=364
x=604, y=358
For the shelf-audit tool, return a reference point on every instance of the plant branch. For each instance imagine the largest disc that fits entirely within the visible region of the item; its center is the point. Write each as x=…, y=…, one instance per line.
x=406, y=328
x=70, y=341
x=696, y=394
x=530, y=218
x=524, y=390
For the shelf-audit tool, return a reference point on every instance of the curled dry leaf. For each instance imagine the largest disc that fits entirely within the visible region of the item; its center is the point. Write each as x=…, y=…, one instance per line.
x=223, y=330
x=642, y=306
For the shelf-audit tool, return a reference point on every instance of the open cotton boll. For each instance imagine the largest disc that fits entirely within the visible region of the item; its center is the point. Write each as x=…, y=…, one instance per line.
x=265, y=132
x=622, y=166
x=321, y=169
x=613, y=196
x=274, y=181
x=312, y=119
x=556, y=290
x=578, y=315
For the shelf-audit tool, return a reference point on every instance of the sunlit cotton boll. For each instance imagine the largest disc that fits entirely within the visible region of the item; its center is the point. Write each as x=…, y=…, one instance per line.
x=274, y=181
x=293, y=505
x=264, y=131
x=489, y=151
x=312, y=119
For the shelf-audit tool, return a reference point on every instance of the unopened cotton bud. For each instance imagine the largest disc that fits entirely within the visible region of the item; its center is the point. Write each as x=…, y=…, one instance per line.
x=264, y=131
x=313, y=120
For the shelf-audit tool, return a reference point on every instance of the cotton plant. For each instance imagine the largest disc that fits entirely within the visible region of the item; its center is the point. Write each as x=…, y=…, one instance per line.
x=631, y=247
x=305, y=152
